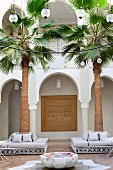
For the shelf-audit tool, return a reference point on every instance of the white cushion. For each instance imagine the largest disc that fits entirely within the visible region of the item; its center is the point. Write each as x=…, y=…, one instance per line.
x=27, y=137
x=79, y=142
x=85, y=136
x=34, y=137
x=108, y=139
x=17, y=138
x=11, y=136
x=100, y=143
x=103, y=135
x=93, y=136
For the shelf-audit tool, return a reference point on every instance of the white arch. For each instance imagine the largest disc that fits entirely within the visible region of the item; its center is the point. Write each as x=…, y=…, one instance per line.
x=105, y=74
x=4, y=79
x=70, y=74
x=57, y=73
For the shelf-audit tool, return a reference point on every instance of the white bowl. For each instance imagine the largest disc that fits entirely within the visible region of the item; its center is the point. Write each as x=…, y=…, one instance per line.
x=59, y=159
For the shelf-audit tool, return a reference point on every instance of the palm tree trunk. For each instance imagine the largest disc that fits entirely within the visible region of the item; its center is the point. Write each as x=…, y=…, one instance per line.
x=98, y=125
x=24, y=115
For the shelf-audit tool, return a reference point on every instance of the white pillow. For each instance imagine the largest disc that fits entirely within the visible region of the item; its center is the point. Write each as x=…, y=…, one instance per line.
x=103, y=135
x=34, y=137
x=85, y=136
x=11, y=136
x=27, y=137
x=17, y=138
x=93, y=136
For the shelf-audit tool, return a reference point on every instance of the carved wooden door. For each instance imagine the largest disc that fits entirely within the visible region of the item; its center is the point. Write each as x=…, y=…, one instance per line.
x=59, y=113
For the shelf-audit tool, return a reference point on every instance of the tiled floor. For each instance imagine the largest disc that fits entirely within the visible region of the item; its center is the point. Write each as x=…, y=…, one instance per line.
x=55, y=146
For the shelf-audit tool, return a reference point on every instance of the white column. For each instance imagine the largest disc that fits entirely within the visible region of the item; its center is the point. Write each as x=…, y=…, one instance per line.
x=33, y=109
x=85, y=107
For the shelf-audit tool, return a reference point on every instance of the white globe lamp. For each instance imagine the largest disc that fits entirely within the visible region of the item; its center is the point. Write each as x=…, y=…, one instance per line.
x=110, y=2
x=99, y=60
x=82, y=64
x=13, y=18
x=80, y=13
x=14, y=62
x=109, y=18
x=45, y=13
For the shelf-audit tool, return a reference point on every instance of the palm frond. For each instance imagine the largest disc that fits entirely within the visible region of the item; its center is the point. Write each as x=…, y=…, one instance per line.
x=39, y=41
x=73, y=48
x=80, y=58
x=34, y=7
x=27, y=21
x=92, y=53
x=97, y=17
x=76, y=33
x=89, y=4
x=48, y=24
x=51, y=34
x=107, y=55
x=6, y=64
x=43, y=55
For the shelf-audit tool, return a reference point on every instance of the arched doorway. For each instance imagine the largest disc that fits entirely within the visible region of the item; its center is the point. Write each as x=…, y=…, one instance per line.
x=52, y=105
x=14, y=107
x=107, y=105
x=10, y=109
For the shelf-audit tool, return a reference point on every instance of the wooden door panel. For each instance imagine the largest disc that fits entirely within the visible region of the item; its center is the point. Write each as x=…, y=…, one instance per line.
x=59, y=113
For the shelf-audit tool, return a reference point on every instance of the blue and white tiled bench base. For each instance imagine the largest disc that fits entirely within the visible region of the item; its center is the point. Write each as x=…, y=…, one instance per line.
x=92, y=149
x=22, y=151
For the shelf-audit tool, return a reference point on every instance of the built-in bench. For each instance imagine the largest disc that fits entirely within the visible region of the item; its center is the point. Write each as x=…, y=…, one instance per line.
x=92, y=142
x=23, y=143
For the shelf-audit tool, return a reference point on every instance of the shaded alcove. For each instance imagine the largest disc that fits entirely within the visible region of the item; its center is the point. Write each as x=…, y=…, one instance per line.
x=107, y=105
x=9, y=109
x=14, y=109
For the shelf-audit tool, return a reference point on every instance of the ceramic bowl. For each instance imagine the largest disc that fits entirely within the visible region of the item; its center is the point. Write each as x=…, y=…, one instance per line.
x=59, y=160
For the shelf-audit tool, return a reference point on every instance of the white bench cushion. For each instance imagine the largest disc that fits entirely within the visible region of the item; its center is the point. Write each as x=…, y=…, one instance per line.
x=79, y=142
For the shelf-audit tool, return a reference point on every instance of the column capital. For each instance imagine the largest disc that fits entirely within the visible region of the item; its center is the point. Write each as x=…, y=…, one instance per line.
x=84, y=105
x=32, y=106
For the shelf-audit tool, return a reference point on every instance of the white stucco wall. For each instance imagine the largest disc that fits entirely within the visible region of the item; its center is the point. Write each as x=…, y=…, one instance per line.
x=74, y=81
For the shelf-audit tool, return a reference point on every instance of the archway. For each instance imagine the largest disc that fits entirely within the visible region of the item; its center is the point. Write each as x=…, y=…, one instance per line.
x=14, y=107
x=107, y=105
x=49, y=89
x=10, y=108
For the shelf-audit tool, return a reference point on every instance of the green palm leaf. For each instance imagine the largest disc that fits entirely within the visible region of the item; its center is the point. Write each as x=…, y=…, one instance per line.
x=48, y=24
x=89, y=4
x=34, y=7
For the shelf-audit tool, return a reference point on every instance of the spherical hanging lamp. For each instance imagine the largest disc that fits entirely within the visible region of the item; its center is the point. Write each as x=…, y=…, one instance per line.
x=80, y=13
x=99, y=60
x=14, y=61
x=110, y=2
x=109, y=18
x=45, y=13
x=30, y=64
x=13, y=18
x=82, y=64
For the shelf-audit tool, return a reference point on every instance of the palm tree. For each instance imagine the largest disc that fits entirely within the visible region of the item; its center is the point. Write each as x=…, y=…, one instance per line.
x=25, y=50
x=90, y=43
